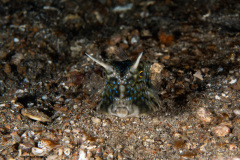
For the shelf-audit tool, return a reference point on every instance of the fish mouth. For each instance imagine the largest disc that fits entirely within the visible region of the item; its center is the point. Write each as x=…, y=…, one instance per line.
x=123, y=108
x=126, y=107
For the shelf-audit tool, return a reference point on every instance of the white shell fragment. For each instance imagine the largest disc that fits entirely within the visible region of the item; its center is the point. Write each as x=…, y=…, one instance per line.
x=35, y=115
x=123, y=8
x=204, y=115
x=96, y=120
x=82, y=155
x=198, y=75
x=236, y=112
x=221, y=130
x=38, y=151
x=67, y=151
x=233, y=81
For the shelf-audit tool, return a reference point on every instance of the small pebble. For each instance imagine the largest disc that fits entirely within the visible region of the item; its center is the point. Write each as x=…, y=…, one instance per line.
x=67, y=130
x=82, y=155
x=179, y=144
x=35, y=115
x=60, y=151
x=47, y=144
x=232, y=146
x=38, y=151
x=146, y=33
x=52, y=157
x=233, y=81
x=204, y=115
x=221, y=130
x=17, y=58
x=217, y=97
x=123, y=8
x=15, y=40
x=134, y=39
x=44, y=97
x=177, y=135
x=120, y=157
x=155, y=71
x=116, y=38
x=25, y=146
x=67, y=151
x=220, y=69
x=155, y=121
x=198, y=75
x=7, y=68
x=188, y=154
x=96, y=120
x=237, y=112
x=111, y=49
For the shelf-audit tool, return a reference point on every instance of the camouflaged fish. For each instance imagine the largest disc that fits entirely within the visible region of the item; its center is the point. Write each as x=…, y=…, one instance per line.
x=128, y=91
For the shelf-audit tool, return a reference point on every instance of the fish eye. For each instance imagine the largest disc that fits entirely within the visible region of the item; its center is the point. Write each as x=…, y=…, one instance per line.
x=141, y=74
x=104, y=74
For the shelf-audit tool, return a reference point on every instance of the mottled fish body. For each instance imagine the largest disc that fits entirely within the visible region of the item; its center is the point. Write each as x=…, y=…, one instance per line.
x=128, y=91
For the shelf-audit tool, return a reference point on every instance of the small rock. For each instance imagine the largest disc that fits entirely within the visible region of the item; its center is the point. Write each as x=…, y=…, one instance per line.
x=116, y=38
x=7, y=68
x=25, y=146
x=232, y=146
x=9, y=140
x=120, y=157
x=67, y=130
x=155, y=71
x=59, y=151
x=123, y=8
x=177, y=135
x=188, y=154
x=236, y=86
x=17, y=58
x=146, y=33
x=105, y=155
x=233, y=81
x=166, y=57
x=82, y=155
x=3, y=54
x=97, y=158
x=198, y=75
x=179, y=144
x=15, y=137
x=67, y=151
x=204, y=115
x=150, y=140
x=166, y=39
x=221, y=130
x=217, y=97
x=16, y=40
x=105, y=123
x=112, y=49
x=123, y=46
x=134, y=39
x=110, y=156
x=35, y=115
x=38, y=151
x=47, y=144
x=52, y=157
x=89, y=154
x=155, y=121
x=73, y=21
x=96, y=120
x=237, y=112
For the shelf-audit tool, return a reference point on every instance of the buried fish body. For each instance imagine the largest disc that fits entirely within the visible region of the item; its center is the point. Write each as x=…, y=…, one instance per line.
x=128, y=91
